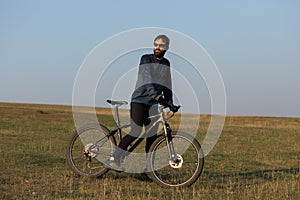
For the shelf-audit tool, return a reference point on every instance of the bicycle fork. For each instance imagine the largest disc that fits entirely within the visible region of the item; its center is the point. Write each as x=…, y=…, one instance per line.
x=170, y=145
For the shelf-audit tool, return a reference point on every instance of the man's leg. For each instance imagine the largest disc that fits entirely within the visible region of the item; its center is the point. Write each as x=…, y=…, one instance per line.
x=152, y=135
x=138, y=114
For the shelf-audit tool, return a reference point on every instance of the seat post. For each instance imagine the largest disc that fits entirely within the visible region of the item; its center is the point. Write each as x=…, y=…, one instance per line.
x=117, y=116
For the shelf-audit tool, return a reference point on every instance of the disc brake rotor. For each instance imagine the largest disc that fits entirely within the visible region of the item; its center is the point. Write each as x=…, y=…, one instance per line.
x=176, y=163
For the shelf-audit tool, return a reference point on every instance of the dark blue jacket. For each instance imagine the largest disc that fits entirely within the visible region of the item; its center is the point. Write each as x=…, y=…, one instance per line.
x=154, y=78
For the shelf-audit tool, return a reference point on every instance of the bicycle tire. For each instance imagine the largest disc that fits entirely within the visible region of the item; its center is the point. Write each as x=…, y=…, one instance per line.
x=158, y=164
x=90, y=164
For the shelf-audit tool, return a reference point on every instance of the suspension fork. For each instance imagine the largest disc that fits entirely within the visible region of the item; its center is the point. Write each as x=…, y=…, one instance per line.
x=168, y=135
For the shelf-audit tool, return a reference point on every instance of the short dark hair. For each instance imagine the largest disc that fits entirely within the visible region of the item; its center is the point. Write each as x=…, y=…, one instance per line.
x=164, y=38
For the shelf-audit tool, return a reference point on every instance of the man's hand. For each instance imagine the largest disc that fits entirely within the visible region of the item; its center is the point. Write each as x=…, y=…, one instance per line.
x=161, y=100
x=164, y=102
x=174, y=108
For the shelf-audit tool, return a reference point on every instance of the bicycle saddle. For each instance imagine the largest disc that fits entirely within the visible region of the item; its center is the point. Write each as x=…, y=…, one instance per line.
x=118, y=103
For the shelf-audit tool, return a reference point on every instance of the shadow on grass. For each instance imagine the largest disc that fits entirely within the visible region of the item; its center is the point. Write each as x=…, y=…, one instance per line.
x=217, y=179
x=267, y=174
x=124, y=175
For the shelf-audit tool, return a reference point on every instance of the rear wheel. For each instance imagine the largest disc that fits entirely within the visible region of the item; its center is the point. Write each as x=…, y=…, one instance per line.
x=184, y=169
x=88, y=148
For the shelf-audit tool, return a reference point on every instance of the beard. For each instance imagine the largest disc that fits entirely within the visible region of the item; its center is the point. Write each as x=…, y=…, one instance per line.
x=158, y=53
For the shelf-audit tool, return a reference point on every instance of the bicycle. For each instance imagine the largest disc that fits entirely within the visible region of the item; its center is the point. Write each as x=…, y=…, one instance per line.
x=175, y=158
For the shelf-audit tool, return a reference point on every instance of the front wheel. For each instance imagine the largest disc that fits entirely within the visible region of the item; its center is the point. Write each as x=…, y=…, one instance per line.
x=184, y=169
x=88, y=148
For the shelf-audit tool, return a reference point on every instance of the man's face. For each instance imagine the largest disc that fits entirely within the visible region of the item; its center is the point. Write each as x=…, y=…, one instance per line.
x=160, y=48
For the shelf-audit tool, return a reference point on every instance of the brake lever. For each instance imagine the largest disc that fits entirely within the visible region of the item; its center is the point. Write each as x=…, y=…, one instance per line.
x=174, y=108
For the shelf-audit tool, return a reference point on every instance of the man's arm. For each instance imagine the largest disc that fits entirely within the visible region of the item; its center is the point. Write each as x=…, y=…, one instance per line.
x=167, y=91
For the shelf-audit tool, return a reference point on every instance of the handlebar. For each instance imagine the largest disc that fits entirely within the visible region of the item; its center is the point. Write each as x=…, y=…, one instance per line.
x=172, y=107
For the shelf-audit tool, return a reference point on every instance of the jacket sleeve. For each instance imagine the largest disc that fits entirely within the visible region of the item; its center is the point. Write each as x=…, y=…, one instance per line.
x=167, y=90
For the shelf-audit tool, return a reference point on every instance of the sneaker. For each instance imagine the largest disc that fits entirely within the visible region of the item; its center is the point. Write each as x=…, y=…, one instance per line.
x=112, y=164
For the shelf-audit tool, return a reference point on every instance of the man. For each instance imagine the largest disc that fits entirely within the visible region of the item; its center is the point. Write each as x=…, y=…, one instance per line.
x=153, y=86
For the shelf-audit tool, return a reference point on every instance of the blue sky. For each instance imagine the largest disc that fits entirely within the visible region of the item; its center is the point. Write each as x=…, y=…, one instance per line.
x=254, y=43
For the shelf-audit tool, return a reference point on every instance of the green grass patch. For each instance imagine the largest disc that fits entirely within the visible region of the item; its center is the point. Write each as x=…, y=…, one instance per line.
x=254, y=158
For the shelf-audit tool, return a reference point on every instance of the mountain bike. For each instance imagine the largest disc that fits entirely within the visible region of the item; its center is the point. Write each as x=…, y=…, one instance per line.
x=175, y=158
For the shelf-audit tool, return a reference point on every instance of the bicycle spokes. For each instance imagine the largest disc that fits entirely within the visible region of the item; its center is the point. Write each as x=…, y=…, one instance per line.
x=88, y=148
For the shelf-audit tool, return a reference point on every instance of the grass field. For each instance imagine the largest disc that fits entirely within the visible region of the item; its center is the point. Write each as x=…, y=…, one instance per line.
x=255, y=158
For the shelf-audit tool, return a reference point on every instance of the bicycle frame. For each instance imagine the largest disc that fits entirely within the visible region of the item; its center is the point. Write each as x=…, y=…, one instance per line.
x=161, y=120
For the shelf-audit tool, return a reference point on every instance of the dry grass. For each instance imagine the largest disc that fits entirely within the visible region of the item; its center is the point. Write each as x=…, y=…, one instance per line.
x=255, y=158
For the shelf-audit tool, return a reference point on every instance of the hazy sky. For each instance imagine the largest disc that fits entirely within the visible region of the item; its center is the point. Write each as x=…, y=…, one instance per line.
x=255, y=45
